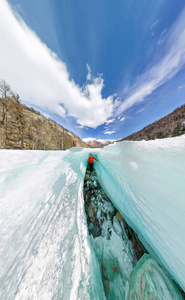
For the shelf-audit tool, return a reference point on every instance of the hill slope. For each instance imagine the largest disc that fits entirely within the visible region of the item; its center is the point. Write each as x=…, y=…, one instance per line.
x=24, y=128
x=171, y=125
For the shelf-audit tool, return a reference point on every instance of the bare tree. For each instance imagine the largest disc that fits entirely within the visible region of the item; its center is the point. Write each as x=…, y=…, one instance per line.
x=6, y=93
x=5, y=90
x=16, y=98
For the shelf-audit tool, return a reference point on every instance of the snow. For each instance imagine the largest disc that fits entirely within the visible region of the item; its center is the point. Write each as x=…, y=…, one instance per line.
x=45, y=249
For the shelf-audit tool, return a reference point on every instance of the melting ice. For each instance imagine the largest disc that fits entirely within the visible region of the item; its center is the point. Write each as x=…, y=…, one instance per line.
x=46, y=251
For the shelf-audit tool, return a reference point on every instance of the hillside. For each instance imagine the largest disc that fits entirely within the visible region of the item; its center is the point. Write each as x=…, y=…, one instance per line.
x=24, y=128
x=99, y=143
x=171, y=125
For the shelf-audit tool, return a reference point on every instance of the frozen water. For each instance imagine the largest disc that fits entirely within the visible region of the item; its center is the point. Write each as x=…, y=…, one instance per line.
x=45, y=250
x=45, y=253
x=148, y=281
x=146, y=182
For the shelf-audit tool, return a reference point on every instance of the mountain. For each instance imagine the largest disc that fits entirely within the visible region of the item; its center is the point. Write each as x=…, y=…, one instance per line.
x=24, y=128
x=171, y=125
x=99, y=143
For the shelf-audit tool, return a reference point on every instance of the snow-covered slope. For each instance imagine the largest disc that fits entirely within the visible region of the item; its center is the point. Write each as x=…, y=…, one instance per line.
x=44, y=245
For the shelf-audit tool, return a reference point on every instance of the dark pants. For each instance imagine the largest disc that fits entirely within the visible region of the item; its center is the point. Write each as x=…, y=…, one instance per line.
x=91, y=167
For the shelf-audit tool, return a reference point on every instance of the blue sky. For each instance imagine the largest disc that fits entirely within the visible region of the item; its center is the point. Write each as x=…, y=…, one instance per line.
x=103, y=69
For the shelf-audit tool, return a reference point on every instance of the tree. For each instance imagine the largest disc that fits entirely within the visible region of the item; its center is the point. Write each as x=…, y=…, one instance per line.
x=5, y=90
x=16, y=98
x=6, y=93
x=177, y=130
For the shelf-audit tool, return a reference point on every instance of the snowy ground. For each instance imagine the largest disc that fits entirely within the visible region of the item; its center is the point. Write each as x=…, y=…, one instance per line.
x=45, y=251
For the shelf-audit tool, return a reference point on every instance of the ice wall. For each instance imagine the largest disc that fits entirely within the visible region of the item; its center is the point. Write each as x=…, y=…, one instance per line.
x=146, y=182
x=148, y=281
x=44, y=248
x=45, y=252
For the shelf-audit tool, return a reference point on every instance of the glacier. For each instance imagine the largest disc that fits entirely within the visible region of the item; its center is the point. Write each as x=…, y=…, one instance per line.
x=45, y=248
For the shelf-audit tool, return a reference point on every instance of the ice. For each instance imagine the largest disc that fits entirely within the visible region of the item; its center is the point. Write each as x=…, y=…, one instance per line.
x=45, y=248
x=115, y=257
x=146, y=182
x=45, y=252
x=149, y=281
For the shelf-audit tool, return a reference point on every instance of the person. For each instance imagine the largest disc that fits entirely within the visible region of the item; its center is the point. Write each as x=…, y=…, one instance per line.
x=91, y=161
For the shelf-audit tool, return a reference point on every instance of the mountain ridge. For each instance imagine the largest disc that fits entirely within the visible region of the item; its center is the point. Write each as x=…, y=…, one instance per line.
x=99, y=143
x=171, y=125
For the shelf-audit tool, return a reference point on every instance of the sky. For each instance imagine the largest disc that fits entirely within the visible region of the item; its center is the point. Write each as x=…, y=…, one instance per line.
x=102, y=69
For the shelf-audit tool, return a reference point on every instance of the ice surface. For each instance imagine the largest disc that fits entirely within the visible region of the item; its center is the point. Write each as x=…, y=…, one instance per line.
x=45, y=250
x=113, y=249
x=146, y=182
x=116, y=257
x=148, y=281
x=45, y=253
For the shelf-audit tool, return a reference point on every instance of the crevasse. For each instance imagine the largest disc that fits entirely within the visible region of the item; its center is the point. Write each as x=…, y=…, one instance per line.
x=45, y=249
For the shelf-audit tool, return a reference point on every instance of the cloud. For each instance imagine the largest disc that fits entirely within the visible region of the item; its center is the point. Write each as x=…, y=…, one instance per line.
x=110, y=121
x=164, y=70
x=161, y=37
x=104, y=141
x=109, y=132
x=139, y=111
x=86, y=140
x=155, y=24
x=41, y=79
x=89, y=77
x=80, y=126
x=122, y=119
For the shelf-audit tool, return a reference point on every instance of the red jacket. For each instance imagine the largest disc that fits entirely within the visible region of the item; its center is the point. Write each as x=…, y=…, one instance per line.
x=91, y=159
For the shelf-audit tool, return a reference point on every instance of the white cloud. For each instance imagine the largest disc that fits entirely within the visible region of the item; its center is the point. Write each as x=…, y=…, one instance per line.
x=109, y=132
x=164, y=70
x=104, y=141
x=86, y=140
x=89, y=77
x=122, y=119
x=139, y=111
x=155, y=24
x=80, y=126
x=110, y=121
x=161, y=37
x=41, y=79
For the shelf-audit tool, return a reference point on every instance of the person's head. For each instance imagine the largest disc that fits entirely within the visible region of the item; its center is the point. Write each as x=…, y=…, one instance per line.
x=90, y=154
